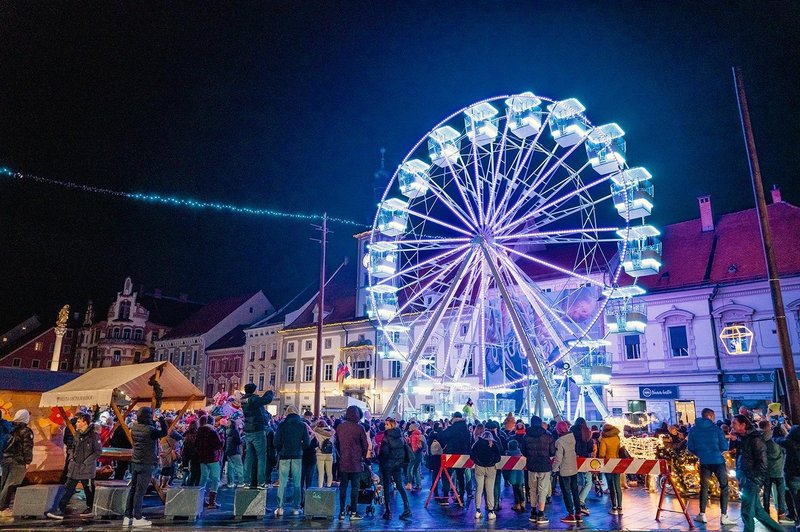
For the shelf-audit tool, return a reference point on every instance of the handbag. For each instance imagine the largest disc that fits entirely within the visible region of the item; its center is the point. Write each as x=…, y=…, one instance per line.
x=623, y=452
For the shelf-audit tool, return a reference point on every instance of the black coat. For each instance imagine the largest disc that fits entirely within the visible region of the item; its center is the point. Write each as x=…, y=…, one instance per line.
x=86, y=451
x=233, y=441
x=539, y=446
x=19, y=448
x=392, y=455
x=145, y=441
x=751, y=458
x=485, y=455
x=253, y=409
x=455, y=438
x=791, y=443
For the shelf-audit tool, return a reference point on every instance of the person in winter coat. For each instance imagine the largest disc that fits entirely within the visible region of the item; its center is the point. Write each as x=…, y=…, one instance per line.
x=455, y=440
x=538, y=448
x=309, y=460
x=291, y=438
x=143, y=460
x=775, y=460
x=417, y=442
x=392, y=460
x=120, y=440
x=516, y=478
x=16, y=457
x=189, y=461
x=610, y=444
x=82, y=467
x=352, y=445
x=233, y=455
x=209, y=453
x=324, y=435
x=255, y=436
x=707, y=441
x=168, y=455
x=791, y=466
x=485, y=453
x=584, y=447
x=565, y=464
x=751, y=471
x=510, y=422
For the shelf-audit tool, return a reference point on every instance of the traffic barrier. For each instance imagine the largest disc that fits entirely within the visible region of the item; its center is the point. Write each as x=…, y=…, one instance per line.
x=621, y=466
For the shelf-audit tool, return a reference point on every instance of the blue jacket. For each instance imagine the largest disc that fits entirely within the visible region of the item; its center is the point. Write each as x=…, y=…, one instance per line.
x=707, y=442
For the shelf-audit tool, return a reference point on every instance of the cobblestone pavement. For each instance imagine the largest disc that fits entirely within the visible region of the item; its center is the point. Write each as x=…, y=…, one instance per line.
x=639, y=514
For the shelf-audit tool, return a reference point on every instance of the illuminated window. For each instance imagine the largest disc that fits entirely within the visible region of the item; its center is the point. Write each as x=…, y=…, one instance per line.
x=290, y=373
x=328, y=372
x=38, y=346
x=308, y=372
x=678, y=341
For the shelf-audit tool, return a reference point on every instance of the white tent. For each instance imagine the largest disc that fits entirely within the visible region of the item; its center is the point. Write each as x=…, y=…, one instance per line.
x=97, y=386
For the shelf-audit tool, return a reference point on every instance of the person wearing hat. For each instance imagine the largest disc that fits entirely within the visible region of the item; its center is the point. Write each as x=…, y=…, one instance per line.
x=16, y=457
x=144, y=458
x=516, y=478
x=538, y=447
x=255, y=435
x=565, y=464
x=455, y=439
x=291, y=439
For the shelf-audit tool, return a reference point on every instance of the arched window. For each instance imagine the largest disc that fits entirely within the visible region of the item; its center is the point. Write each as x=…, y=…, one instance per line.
x=124, y=310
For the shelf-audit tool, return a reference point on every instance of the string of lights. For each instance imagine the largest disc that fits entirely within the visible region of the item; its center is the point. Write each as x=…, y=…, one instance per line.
x=176, y=201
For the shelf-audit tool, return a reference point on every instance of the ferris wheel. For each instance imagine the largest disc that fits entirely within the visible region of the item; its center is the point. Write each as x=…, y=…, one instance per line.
x=507, y=228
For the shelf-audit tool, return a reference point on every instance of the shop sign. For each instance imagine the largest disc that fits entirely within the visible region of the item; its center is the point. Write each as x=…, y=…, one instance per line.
x=658, y=392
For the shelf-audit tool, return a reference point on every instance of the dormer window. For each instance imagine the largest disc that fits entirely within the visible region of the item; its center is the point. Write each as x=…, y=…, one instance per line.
x=124, y=310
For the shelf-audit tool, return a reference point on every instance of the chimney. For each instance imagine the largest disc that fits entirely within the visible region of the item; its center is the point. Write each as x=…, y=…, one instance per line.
x=776, y=194
x=706, y=216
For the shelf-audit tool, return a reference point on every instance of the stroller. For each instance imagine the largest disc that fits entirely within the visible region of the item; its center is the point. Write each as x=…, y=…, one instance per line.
x=370, y=491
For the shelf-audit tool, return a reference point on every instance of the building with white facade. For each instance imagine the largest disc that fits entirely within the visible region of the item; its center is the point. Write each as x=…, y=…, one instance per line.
x=185, y=345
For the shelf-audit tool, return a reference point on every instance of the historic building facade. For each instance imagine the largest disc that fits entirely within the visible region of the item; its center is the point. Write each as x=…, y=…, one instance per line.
x=31, y=344
x=224, y=361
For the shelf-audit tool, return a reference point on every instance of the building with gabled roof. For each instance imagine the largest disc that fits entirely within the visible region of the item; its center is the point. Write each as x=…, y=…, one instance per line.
x=31, y=344
x=185, y=345
x=224, y=362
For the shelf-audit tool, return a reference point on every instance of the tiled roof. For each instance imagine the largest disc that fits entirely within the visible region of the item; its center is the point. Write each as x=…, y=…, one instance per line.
x=340, y=300
x=207, y=317
x=33, y=380
x=168, y=311
x=233, y=338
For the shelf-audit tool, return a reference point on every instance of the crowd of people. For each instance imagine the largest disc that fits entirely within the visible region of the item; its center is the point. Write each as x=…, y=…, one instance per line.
x=235, y=443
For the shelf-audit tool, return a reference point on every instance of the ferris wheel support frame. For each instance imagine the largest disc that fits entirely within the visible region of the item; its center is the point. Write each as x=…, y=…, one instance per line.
x=525, y=342
x=429, y=328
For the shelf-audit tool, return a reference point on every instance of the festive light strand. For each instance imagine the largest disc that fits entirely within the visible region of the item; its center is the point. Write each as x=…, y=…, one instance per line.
x=177, y=201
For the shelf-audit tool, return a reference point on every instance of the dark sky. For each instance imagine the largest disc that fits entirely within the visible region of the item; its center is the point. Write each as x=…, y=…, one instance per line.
x=286, y=105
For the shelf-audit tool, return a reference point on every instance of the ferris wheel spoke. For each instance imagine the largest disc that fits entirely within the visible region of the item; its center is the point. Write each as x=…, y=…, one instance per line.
x=441, y=223
x=436, y=278
x=461, y=188
x=426, y=262
x=555, y=233
x=470, y=286
x=448, y=202
x=570, y=211
x=496, y=163
x=551, y=266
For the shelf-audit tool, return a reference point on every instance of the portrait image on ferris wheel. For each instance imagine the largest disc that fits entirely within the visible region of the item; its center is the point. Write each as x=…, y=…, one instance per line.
x=513, y=233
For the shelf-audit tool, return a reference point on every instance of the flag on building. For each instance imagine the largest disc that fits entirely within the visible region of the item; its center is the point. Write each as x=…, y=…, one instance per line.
x=342, y=372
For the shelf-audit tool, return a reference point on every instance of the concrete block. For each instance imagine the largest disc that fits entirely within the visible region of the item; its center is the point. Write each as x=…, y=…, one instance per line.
x=34, y=501
x=110, y=498
x=184, y=501
x=249, y=503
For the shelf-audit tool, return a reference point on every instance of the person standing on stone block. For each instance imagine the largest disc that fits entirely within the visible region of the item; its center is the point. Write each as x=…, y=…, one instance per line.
x=82, y=468
x=209, y=452
x=143, y=460
x=255, y=436
x=291, y=439
x=351, y=445
x=16, y=457
x=233, y=453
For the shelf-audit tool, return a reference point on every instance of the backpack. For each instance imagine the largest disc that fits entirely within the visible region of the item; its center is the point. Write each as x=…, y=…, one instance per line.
x=327, y=446
x=436, y=448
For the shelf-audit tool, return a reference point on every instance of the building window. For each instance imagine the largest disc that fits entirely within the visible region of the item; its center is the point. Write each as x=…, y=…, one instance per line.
x=126, y=334
x=274, y=351
x=395, y=369
x=745, y=342
x=290, y=347
x=63, y=366
x=328, y=372
x=183, y=358
x=35, y=363
x=117, y=358
x=194, y=357
x=362, y=368
x=163, y=356
x=469, y=367
x=154, y=336
x=260, y=381
x=137, y=334
x=69, y=333
x=464, y=329
x=272, y=378
x=38, y=346
x=252, y=353
x=308, y=372
x=328, y=343
x=633, y=349
x=66, y=349
x=290, y=373
x=308, y=345
x=263, y=355
x=116, y=332
x=250, y=378
x=678, y=341
x=429, y=361
x=137, y=357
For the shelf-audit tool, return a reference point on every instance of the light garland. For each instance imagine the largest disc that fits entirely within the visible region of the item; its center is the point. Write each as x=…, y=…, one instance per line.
x=176, y=201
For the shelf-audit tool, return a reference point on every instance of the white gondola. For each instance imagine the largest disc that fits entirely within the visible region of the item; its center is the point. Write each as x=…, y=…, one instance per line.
x=413, y=178
x=481, y=123
x=385, y=306
x=633, y=201
x=626, y=318
x=524, y=114
x=382, y=263
x=643, y=258
x=444, y=146
x=631, y=176
x=594, y=370
x=638, y=232
x=605, y=147
x=567, y=124
x=395, y=345
x=620, y=292
x=392, y=218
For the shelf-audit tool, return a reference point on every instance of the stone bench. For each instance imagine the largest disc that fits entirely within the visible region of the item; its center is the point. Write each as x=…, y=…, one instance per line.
x=34, y=501
x=249, y=503
x=110, y=498
x=184, y=501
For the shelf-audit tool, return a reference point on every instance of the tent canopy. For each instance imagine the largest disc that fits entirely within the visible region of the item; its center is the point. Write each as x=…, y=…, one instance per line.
x=96, y=387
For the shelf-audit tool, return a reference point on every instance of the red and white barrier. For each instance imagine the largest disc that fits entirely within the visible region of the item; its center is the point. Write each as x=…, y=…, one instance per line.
x=622, y=466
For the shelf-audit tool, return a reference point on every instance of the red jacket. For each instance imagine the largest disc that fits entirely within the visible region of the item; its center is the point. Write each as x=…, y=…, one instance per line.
x=208, y=445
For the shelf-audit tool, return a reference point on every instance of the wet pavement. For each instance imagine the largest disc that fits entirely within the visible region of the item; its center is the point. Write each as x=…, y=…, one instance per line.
x=639, y=514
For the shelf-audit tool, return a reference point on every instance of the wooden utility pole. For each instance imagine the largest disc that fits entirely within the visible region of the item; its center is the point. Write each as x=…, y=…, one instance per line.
x=792, y=386
x=320, y=318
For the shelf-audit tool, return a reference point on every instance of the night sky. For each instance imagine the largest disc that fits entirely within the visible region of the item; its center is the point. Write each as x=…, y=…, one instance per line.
x=286, y=105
